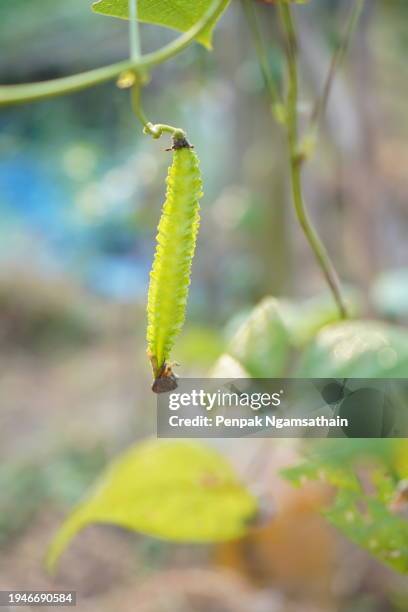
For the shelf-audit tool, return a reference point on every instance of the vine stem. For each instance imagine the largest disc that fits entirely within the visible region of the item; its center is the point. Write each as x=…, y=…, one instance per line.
x=249, y=8
x=31, y=92
x=134, y=36
x=336, y=61
x=296, y=160
x=156, y=130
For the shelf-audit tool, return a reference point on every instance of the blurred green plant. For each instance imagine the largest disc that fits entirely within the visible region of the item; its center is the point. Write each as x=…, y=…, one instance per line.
x=358, y=349
x=200, y=345
x=270, y=340
x=182, y=491
x=42, y=315
x=370, y=493
x=23, y=492
x=27, y=488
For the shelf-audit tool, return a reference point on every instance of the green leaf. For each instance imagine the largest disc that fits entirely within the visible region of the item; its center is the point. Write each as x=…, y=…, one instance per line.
x=360, y=349
x=265, y=339
x=369, y=523
x=180, y=491
x=262, y=342
x=341, y=453
x=304, y=319
x=366, y=519
x=337, y=476
x=178, y=15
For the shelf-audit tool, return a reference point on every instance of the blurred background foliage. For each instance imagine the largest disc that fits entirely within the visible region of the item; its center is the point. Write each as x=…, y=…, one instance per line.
x=80, y=195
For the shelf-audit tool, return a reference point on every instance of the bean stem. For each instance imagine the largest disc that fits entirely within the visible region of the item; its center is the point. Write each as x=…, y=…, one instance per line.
x=296, y=160
x=31, y=92
x=134, y=35
x=251, y=16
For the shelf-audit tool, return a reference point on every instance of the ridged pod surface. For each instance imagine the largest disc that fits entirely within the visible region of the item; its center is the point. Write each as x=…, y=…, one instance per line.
x=176, y=240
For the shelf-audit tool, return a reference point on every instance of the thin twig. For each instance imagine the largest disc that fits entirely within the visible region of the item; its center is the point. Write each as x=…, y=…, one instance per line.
x=250, y=12
x=336, y=61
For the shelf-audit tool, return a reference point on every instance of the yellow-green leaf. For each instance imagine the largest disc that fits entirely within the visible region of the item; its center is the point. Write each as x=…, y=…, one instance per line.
x=181, y=491
x=178, y=15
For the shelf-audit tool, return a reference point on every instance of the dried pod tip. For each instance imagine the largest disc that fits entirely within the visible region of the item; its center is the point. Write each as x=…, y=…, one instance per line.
x=180, y=142
x=165, y=381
